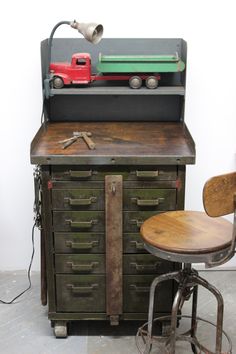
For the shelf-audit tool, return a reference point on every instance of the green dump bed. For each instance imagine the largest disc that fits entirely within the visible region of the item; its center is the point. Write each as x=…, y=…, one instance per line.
x=139, y=63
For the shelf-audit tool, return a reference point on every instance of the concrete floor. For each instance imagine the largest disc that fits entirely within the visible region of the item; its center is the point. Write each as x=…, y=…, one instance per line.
x=25, y=329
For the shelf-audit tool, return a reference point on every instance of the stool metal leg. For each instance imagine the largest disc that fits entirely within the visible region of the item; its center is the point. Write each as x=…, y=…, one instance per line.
x=189, y=281
x=220, y=310
x=156, y=281
x=174, y=314
x=194, y=317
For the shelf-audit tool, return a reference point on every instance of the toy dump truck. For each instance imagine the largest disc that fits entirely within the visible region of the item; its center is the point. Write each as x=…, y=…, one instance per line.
x=132, y=68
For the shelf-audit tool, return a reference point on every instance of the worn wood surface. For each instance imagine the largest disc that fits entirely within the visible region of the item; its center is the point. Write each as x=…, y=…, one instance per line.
x=218, y=194
x=169, y=141
x=190, y=232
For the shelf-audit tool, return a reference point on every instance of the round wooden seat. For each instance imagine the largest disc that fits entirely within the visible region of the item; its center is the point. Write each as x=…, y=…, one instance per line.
x=187, y=232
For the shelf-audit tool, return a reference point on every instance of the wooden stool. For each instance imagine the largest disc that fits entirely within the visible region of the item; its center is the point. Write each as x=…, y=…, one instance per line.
x=193, y=237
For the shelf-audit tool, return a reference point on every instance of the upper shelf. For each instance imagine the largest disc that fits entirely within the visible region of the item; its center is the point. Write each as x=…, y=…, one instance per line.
x=119, y=90
x=115, y=101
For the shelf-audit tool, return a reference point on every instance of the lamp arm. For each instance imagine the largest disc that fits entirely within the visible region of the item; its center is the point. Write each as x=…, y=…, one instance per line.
x=50, y=42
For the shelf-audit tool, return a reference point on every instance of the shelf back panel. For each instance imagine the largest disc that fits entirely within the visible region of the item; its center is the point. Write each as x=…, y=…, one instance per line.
x=109, y=107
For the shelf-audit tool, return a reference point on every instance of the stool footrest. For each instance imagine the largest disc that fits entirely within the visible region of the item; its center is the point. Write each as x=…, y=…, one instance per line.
x=145, y=344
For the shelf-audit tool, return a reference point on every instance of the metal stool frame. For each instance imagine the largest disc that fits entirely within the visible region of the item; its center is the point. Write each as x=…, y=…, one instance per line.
x=188, y=280
x=217, y=201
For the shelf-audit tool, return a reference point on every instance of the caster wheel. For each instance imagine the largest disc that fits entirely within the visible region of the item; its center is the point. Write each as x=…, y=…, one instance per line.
x=60, y=329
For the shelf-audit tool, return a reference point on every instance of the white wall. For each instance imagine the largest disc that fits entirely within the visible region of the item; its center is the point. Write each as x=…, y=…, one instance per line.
x=208, y=27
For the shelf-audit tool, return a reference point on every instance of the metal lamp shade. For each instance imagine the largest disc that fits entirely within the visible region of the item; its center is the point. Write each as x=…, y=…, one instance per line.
x=91, y=31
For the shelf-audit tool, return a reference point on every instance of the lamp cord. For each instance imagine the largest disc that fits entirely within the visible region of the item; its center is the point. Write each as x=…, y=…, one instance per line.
x=37, y=223
x=28, y=272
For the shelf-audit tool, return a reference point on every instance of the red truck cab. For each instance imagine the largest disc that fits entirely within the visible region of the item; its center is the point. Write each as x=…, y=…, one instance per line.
x=76, y=72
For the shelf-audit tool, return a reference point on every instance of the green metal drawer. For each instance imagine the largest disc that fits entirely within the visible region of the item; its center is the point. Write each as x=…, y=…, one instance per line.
x=78, y=199
x=78, y=220
x=146, y=199
x=136, y=294
x=145, y=264
x=133, y=173
x=80, y=293
x=80, y=263
x=133, y=243
x=134, y=219
x=76, y=242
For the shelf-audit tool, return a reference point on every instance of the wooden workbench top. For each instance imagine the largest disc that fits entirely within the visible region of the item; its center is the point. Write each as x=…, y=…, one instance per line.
x=116, y=143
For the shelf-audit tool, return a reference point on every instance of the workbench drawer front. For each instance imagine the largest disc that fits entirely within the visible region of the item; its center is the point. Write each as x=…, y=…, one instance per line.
x=155, y=199
x=78, y=199
x=80, y=264
x=134, y=219
x=78, y=220
x=133, y=243
x=145, y=264
x=133, y=173
x=78, y=242
x=136, y=294
x=80, y=293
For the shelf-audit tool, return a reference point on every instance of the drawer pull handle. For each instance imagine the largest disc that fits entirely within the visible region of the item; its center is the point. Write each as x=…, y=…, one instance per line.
x=138, y=245
x=79, y=174
x=82, y=267
x=81, y=224
x=81, y=201
x=140, y=289
x=136, y=222
x=147, y=202
x=81, y=245
x=147, y=174
x=82, y=289
x=145, y=267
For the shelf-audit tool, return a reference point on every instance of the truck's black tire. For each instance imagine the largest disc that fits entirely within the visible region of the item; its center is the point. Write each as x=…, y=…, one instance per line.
x=58, y=83
x=135, y=82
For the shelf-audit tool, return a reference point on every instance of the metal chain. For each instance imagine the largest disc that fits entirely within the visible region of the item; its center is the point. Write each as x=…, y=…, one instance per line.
x=37, y=197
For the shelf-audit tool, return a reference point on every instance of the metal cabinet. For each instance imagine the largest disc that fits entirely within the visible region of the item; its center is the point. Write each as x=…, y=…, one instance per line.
x=96, y=266
x=97, y=270
x=74, y=227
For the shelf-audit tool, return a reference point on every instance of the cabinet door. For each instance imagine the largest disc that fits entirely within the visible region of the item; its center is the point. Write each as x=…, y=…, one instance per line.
x=149, y=199
x=78, y=220
x=80, y=263
x=78, y=199
x=133, y=243
x=79, y=242
x=134, y=219
x=136, y=294
x=80, y=293
x=145, y=264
